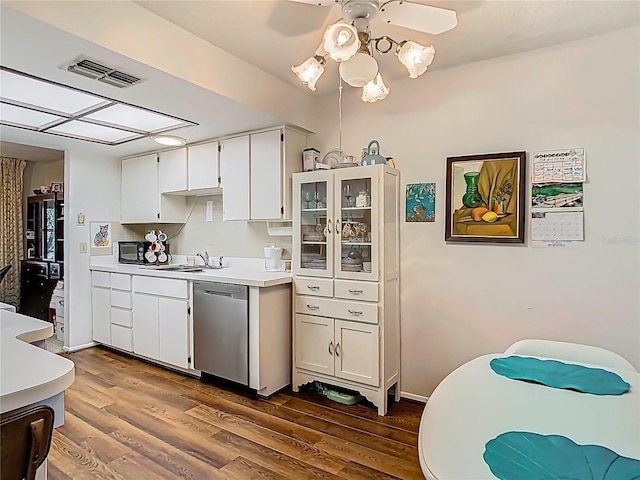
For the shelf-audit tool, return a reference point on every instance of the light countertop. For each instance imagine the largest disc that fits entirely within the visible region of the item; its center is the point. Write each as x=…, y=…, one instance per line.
x=238, y=271
x=29, y=374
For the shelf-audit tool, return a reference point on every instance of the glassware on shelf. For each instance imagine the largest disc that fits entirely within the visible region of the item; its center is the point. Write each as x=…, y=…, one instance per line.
x=308, y=198
x=347, y=194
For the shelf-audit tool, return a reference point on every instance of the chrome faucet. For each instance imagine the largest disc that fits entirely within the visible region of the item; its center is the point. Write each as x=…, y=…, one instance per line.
x=205, y=258
x=208, y=261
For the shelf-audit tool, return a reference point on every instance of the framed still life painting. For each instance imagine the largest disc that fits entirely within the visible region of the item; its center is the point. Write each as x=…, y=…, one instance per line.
x=485, y=198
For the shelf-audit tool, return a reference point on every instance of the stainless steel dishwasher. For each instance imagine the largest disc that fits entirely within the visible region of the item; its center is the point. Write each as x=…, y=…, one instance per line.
x=221, y=330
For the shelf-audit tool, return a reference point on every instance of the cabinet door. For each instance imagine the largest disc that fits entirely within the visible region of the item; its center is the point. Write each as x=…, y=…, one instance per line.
x=314, y=345
x=203, y=169
x=357, y=352
x=173, y=331
x=266, y=176
x=172, y=172
x=234, y=172
x=313, y=224
x=101, y=314
x=356, y=234
x=140, y=198
x=145, y=325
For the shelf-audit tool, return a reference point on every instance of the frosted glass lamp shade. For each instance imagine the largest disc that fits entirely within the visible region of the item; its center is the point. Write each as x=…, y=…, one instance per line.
x=341, y=41
x=415, y=57
x=375, y=90
x=359, y=70
x=310, y=71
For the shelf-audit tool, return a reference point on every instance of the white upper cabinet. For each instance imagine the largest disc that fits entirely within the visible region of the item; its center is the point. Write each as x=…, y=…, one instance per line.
x=142, y=201
x=256, y=173
x=172, y=173
x=140, y=197
x=203, y=167
x=234, y=173
x=266, y=176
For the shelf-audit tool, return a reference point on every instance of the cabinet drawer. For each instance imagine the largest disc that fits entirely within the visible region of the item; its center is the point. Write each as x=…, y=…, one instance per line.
x=100, y=279
x=121, y=317
x=121, y=337
x=120, y=299
x=160, y=286
x=321, y=287
x=120, y=281
x=356, y=290
x=324, y=307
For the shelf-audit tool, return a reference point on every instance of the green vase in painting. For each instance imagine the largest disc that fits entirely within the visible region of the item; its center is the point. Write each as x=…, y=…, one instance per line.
x=472, y=198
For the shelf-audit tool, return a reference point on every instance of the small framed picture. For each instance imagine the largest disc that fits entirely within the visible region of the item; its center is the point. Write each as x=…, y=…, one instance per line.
x=57, y=187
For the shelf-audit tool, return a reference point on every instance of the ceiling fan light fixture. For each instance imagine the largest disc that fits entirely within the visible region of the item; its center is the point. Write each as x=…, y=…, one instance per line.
x=169, y=140
x=341, y=41
x=359, y=70
x=415, y=57
x=375, y=90
x=310, y=71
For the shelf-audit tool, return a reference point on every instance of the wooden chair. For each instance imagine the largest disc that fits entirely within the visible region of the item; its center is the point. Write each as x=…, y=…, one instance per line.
x=25, y=439
x=3, y=271
x=570, y=352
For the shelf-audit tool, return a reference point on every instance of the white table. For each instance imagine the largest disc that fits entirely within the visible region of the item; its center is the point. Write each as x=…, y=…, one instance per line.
x=473, y=405
x=29, y=375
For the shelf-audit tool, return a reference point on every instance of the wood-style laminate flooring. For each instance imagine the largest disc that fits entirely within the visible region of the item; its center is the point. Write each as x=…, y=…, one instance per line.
x=127, y=419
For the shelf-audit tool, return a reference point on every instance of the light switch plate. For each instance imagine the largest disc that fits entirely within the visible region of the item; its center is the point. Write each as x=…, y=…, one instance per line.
x=209, y=211
x=83, y=247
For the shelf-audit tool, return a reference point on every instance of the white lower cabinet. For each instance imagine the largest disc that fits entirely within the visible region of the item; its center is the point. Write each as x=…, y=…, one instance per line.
x=101, y=308
x=347, y=350
x=111, y=309
x=161, y=320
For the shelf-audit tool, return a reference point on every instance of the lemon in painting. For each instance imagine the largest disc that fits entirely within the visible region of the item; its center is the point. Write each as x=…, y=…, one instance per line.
x=490, y=217
x=477, y=213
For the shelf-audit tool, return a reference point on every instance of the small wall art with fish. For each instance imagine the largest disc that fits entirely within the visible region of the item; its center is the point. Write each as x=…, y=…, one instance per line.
x=421, y=202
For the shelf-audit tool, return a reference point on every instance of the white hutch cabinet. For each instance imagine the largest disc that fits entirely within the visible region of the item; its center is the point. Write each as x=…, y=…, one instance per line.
x=346, y=273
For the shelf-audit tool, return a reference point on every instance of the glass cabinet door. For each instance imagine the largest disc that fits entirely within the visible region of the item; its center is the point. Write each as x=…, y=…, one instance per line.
x=48, y=230
x=356, y=230
x=313, y=225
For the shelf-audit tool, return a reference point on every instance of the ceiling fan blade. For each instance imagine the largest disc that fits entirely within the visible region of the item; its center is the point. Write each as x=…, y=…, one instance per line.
x=321, y=3
x=415, y=16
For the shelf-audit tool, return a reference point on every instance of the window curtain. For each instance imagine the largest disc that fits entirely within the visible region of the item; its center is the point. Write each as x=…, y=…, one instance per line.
x=11, y=227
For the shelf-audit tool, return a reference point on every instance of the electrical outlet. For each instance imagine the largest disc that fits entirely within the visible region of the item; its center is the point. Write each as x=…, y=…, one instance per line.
x=83, y=247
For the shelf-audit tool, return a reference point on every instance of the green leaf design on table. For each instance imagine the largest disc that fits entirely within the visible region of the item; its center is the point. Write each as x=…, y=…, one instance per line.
x=528, y=456
x=553, y=373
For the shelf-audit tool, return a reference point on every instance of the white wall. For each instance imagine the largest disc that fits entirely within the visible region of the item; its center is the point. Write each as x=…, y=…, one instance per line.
x=92, y=187
x=461, y=301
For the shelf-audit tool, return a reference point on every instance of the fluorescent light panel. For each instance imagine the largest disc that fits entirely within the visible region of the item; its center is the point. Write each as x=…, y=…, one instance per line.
x=24, y=116
x=78, y=128
x=136, y=118
x=30, y=102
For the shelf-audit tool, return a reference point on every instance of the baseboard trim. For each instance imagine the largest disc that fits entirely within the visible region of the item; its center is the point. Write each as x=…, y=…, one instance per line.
x=79, y=347
x=413, y=396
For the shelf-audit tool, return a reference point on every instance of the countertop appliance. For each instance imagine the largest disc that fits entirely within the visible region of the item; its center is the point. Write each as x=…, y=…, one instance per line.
x=221, y=330
x=132, y=252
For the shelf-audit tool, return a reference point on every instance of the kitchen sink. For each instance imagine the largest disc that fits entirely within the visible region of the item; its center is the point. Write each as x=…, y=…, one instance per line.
x=173, y=268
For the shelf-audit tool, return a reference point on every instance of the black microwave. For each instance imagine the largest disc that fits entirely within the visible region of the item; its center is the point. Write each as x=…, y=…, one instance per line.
x=132, y=252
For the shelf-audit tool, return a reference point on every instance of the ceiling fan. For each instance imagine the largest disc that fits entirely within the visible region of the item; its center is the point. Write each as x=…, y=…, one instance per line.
x=349, y=42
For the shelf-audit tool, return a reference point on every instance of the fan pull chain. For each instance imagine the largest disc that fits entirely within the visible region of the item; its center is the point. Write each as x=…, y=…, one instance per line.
x=340, y=114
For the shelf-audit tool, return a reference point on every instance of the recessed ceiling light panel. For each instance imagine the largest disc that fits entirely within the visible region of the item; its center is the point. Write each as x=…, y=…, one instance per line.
x=24, y=117
x=78, y=128
x=136, y=118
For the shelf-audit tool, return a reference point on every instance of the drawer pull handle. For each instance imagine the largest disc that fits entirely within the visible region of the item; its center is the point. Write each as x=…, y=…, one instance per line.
x=313, y=287
x=331, y=347
x=312, y=307
x=338, y=349
x=355, y=312
x=355, y=292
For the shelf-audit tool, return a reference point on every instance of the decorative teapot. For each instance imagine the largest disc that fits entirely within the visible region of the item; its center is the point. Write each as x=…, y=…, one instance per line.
x=372, y=155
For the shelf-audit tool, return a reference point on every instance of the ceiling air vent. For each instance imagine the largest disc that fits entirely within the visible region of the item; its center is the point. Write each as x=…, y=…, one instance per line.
x=92, y=68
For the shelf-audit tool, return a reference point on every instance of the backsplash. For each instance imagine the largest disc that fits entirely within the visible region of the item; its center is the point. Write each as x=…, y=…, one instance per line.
x=229, y=239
